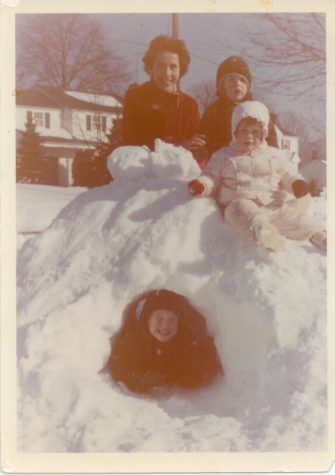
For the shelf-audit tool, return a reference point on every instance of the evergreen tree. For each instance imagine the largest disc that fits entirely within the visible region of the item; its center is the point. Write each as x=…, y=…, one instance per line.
x=82, y=168
x=90, y=167
x=29, y=160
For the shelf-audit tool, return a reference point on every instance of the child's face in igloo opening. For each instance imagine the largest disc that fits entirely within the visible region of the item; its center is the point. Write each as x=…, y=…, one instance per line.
x=249, y=134
x=163, y=324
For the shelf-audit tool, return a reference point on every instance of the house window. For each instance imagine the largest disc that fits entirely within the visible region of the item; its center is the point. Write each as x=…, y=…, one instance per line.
x=100, y=123
x=40, y=119
x=286, y=145
x=88, y=122
x=96, y=122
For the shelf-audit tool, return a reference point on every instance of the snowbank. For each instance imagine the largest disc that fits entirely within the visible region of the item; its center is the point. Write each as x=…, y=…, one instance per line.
x=316, y=171
x=266, y=311
x=38, y=205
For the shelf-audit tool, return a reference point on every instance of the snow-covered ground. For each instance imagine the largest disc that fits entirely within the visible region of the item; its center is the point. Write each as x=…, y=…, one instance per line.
x=266, y=311
x=38, y=205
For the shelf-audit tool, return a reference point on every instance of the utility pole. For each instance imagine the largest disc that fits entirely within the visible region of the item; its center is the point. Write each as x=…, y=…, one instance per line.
x=175, y=26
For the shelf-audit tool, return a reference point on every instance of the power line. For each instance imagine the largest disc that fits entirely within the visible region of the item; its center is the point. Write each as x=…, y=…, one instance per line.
x=204, y=59
x=211, y=21
x=129, y=41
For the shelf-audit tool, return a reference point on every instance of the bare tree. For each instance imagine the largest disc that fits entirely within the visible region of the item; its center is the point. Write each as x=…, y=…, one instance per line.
x=204, y=92
x=287, y=56
x=296, y=124
x=68, y=51
x=291, y=47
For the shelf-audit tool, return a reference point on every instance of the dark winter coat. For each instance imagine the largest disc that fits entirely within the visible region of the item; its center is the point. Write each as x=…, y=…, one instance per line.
x=151, y=113
x=145, y=365
x=216, y=124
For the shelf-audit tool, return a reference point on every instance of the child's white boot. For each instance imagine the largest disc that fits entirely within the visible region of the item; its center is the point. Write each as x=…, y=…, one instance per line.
x=319, y=241
x=268, y=236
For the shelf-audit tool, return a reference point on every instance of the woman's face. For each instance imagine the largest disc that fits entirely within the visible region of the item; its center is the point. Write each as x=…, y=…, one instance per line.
x=163, y=324
x=166, y=71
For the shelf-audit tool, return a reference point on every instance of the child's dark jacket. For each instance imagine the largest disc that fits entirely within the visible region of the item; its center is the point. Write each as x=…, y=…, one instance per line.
x=151, y=113
x=144, y=364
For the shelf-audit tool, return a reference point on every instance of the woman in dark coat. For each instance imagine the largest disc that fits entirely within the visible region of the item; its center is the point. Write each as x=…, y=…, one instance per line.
x=233, y=80
x=158, y=108
x=163, y=342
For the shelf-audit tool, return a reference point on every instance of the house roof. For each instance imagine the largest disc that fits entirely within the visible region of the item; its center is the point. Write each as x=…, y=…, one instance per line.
x=58, y=139
x=55, y=97
x=50, y=138
x=285, y=131
x=79, y=93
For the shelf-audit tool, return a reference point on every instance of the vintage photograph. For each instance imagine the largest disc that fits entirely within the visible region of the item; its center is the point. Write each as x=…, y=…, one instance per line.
x=171, y=232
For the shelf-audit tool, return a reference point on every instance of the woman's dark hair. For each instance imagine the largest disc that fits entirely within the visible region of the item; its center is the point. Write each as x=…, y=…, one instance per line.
x=172, y=45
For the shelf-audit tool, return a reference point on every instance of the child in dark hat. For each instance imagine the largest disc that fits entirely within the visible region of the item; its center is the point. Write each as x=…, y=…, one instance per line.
x=162, y=342
x=233, y=81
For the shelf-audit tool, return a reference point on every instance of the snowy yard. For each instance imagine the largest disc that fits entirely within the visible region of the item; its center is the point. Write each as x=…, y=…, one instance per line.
x=38, y=205
x=84, y=255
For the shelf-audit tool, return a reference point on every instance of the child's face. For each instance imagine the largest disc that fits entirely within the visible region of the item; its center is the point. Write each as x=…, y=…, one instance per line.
x=163, y=324
x=234, y=85
x=249, y=134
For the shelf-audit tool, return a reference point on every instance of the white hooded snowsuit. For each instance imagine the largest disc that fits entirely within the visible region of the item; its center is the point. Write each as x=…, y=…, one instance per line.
x=247, y=184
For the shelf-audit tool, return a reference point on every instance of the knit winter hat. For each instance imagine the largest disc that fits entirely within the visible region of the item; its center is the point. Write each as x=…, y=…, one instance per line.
x=231, y=65
x=253, y=109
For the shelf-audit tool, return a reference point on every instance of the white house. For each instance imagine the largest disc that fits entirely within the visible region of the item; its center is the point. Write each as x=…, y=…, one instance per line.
x=69, y=120
x=66, y=121
x=314, y=168
x=289, y=144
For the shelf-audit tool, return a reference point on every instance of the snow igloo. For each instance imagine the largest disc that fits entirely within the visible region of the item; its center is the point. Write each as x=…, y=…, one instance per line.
x=266, y=312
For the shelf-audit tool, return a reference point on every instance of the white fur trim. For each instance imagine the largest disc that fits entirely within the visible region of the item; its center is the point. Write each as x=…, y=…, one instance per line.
x=208, y=183
x=254, y=109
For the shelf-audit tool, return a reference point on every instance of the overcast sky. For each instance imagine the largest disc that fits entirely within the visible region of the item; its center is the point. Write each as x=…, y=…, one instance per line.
x=210, y=38
x=202, y=33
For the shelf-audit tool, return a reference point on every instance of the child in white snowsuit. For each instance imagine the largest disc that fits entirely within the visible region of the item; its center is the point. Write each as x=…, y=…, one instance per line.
x=257, y=185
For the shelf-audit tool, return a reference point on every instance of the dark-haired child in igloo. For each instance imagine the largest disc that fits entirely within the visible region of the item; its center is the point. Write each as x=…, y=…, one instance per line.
x=163, y=342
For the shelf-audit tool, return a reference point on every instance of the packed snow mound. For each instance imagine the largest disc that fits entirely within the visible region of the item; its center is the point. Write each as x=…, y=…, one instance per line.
x=316, y=171
x=133, y=163
x=266, y=312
